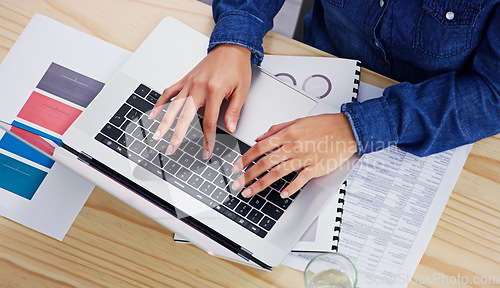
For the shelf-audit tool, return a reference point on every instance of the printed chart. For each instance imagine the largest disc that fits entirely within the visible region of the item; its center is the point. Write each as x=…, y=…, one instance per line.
x=60, y=97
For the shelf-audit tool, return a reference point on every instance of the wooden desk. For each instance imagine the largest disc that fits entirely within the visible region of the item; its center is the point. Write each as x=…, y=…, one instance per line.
x=112, y=245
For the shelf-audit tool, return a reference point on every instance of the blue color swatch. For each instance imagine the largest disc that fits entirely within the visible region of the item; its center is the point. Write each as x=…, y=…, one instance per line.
x=19, y=178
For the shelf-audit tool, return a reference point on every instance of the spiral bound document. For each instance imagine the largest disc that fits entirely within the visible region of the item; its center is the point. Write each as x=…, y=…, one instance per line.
x=336, y=81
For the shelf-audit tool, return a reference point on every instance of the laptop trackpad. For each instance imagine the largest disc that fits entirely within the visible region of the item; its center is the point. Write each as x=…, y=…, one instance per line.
x=269, y=102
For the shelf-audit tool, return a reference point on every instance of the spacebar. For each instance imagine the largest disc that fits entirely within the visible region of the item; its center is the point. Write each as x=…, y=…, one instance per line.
x=177, y=183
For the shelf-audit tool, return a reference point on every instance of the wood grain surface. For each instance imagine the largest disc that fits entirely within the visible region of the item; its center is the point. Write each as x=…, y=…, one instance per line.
x=113, y=245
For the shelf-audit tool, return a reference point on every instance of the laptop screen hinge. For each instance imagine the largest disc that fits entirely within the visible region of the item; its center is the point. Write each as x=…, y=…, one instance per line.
x=245, y=254
x=84, y=157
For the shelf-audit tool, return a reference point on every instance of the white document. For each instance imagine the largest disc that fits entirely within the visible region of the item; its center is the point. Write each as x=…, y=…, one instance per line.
x=47, y=79
x=393, y=203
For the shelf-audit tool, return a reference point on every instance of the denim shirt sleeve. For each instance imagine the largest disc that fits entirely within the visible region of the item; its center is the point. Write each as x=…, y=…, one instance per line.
x=244, y=23
x=442, y=113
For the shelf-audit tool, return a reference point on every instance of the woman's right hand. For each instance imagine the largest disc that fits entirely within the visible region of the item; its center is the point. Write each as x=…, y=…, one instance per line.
x=225, y=73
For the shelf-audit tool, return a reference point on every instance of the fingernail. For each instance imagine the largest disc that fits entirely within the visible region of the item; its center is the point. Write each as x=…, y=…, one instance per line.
x=157, y=135
x=246, y=193
x=285, y=194
x=150, y=116
x=170, y=149
x=232, y=127
x=236, y=168
x=206, y=154
x=236, y=185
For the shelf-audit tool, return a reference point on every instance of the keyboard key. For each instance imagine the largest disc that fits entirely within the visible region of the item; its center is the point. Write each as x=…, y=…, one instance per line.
x=154, y=127
x=260, y=232
x=226, y=139
x=172, y=167
x=198, y=167
x=207, y=188
x=129, y=126
x=151, y=99
x=278, y=185
x=209, y=174
x=154, y=94
x=150, y=141
x=184, y=174
x=215, y=162
x=119, y=116
x=221, y=181
x=195, y=181
x=160, y=160
x=140, y=104
x=194, y=134
x=145, y=122
x=142, y=90
x=191, y=148
x=125, y=140
x=149, y=153
x=231, y=202
x=219, y=195
x=243, y=209
x=276, y=199
x=137, y=147
x=272, y=211
x=140, y=134
x=255, y=216
x=267, y=223
x=218, y=149
x=265, y=192
x=257, y=202
x=226, y=169
x=168, y=135
x=229, y=155
x=242, y=198
x=133, y=115
x=177, y=155
x=162, y=146
x=111, y=131
x=186, y=160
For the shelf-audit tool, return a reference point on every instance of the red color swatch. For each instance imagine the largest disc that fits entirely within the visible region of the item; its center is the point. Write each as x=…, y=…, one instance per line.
x=48, y=113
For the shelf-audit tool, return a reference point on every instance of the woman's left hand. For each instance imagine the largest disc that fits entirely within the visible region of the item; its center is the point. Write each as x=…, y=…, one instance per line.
x=313, y=146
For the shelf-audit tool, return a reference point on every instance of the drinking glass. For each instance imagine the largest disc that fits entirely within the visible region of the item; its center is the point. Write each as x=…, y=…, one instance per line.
x=330, y=270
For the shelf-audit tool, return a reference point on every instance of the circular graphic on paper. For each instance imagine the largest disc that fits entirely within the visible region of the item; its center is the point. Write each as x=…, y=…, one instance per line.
x=287, y=78
x=318, y=85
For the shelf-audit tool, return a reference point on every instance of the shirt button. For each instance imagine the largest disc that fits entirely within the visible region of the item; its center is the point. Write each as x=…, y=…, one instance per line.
x=449, y=15
x=382, y=3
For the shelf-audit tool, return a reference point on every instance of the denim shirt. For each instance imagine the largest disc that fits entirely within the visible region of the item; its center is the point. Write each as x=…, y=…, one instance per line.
x=445, y=53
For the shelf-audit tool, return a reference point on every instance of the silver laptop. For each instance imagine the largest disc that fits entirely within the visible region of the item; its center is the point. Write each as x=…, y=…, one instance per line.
x=114, y=136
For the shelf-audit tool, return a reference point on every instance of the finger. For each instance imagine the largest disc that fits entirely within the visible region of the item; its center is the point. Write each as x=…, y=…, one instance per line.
x=273, y=130
x=256, y=151
x=262, y=166
x=169, y=118
x=233, y=109
x=210, y=118
x=272, y=176
x=185, y=117
x=164, y=98
x=304, y=176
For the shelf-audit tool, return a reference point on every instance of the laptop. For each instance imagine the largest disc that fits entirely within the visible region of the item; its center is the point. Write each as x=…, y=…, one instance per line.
x=111, y=144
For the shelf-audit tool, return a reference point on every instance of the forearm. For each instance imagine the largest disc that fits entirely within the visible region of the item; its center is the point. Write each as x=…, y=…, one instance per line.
x=244, y=23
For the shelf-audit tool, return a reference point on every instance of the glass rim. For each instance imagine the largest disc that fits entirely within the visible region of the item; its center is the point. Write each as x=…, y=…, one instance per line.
x=355, y=280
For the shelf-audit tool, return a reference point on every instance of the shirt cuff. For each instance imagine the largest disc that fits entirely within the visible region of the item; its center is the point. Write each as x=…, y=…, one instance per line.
x=240, y=28
x=372, y=124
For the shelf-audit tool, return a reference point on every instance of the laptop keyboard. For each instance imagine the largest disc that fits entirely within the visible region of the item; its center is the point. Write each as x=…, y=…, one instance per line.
x=129, y=132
